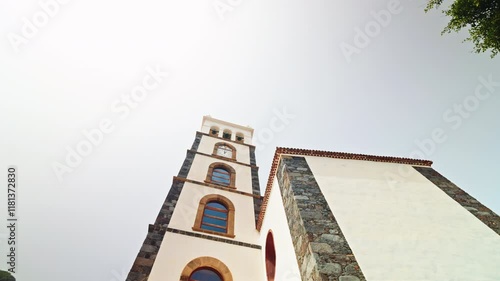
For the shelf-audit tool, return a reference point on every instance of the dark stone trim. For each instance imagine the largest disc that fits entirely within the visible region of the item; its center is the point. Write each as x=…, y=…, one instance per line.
x=147, y=254
x=224, y=158
x=253, y=161
x=315, y=232
x=186, y=166
x=480, y=211
x=218, y=239
x=197, y=141
x=223, y=139
x=218, y=187
x=257, y=201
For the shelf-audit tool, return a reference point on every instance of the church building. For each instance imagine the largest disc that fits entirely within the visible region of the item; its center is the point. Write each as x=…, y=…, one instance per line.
x=323, y=216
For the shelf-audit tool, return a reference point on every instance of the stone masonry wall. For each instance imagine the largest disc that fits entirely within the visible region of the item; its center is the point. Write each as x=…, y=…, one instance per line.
x=257, y=202
x=322, y=251
x=480, y=211
x=147, y=254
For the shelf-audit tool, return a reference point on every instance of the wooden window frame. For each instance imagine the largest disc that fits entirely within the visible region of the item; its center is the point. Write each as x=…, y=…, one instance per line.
x=205, y=268
x=232, y=174
x=206, y=262
x=221, y=176
x=222, y=211
x=230, y=215
x=219, y=144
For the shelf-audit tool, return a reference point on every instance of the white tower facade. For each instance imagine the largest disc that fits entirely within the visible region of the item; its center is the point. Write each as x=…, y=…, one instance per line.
x=206, y=229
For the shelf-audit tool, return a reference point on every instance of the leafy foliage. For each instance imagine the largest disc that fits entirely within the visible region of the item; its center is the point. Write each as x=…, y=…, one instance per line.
x=6, y=276
x=482, y=17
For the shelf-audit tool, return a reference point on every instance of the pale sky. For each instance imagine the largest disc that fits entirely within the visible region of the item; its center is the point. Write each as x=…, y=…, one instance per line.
x=66, y=73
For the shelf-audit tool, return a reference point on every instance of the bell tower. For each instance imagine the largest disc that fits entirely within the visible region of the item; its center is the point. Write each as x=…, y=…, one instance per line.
x=206, y=228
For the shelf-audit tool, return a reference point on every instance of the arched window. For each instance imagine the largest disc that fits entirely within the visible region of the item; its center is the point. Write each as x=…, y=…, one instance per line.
x=214, y=131
x=206, y=269
x=205, y=274
x=225, y=150
x=221, y=174
x=215, y=216
x=240, y=137
x=226, y=134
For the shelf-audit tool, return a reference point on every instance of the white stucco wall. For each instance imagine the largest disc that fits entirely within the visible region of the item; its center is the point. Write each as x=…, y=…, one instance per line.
x=187, y=206
x=243, y=180
x=178, y=250
x=287, y=268
x=408, y=230
x=242, y=151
